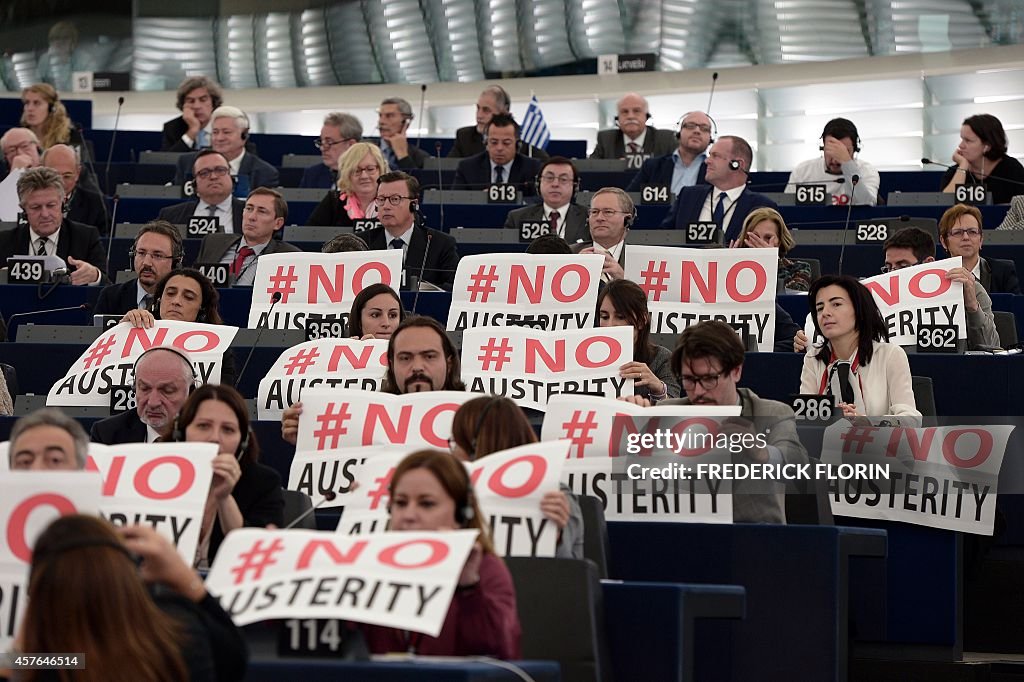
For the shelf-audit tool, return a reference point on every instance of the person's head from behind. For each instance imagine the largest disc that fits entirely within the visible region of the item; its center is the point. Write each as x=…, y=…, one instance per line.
x=157, y=250
x=86, y=595
x=960, y=231
x=344, y=243
x=215, y=413
x=431, y=490
x=708, y=361
x=64, y=159
x=908, y=247
x=48, y=439
x=770, y=226
x=376, y=310
x=488, y=424
x=421, y=357
x=163, y=379
x=622, y=303
x=359, y=168
x=549, y=244
x=846, y=315
x=187, y=295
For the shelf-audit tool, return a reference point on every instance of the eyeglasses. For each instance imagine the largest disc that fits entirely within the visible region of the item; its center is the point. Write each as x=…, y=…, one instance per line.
x=394, y=199
x=971, y=232
x=696, y=126
x=327, y=144
x=603, y=212
x=215, y=172
x=368, y=170
x=552, y=179
x=707, y=381
x=155, y=255
x=887, y=268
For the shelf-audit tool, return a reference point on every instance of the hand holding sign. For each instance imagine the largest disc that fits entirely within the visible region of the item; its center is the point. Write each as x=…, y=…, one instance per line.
x=966, y=278
x=226, y=473
x=161, y=563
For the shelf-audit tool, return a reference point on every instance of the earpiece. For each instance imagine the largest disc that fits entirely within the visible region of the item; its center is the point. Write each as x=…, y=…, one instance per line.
x=195, y=379
x=414, y=205
x=51, y=107
x=201, y=317
x=627, y=222
x=735, y=164
x=243, y=445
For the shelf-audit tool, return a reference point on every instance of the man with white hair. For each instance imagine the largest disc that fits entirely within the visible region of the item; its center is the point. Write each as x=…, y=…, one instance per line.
x=229, y=132
x=21, y=150
x=632, y=136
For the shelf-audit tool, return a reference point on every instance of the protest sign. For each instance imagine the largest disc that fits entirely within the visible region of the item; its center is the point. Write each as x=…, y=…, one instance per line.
x=918, y=296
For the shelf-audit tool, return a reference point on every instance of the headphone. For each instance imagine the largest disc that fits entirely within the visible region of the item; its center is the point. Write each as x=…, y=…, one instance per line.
x=840, y=131
x=714, y=126
x=575, y=180
x=176, y=255
x=201, y=317
x=648, y=118
x=629, y=219
x=178, y=436
x=464, y=513
x=170, y=349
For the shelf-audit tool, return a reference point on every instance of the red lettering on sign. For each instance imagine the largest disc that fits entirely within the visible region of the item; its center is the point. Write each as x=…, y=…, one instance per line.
x=209, y=341
x=186, y=477
x=382, y=271
x=538, y=467
x=333, y=287
x=393, y=433
x=888, y=291
x=532, y=284
x=428, y=424
x=709, y=424
x=144, y=339
x=583, y=351
x=733, y=276
x=359, y=362
x=917, y=291
x=535, y=348
x=691, y=272
x=978, y=458
x=331, y=549
x=919, y=444
x=582, y=283
x=16, y=539
x=438, y=553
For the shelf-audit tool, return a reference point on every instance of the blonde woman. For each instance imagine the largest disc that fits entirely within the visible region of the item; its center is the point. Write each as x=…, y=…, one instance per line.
x=765, y=228
x=358, y=170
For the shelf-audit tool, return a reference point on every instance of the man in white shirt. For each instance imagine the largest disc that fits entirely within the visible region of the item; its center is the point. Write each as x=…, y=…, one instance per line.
x=557, y=181
x=611, y=214
x=20, y=147
x=229, y=134
x=837, y=166
x=213, y=188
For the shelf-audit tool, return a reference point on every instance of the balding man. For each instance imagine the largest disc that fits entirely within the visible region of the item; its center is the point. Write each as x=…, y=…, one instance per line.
x=21, y=151
x=163, y=380
x=82, y=205
x=633, y=137
x=47, y=439
x=683, y=167
x=339, y=132
x=469, y=141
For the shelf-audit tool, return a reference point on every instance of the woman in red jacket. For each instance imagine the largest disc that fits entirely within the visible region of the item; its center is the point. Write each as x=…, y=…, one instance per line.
x=431, y=490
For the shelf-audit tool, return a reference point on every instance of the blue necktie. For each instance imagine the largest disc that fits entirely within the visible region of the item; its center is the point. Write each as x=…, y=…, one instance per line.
x=719, y=213
x=202, y=139
x=499, y=175
x=389, y=155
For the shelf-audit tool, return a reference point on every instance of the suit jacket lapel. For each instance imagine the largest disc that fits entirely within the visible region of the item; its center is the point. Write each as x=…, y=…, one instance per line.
x=986, y=274
x=64, y=241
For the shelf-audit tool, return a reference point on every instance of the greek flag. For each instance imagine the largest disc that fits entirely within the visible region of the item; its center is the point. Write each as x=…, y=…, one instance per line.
x=535, y=130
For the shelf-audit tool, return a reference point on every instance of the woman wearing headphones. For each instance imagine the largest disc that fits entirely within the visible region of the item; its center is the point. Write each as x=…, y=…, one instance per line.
x=45, y=115
x=185, y=295
x=765, y=228
x=981, y=159
x=431, y=490
x=485, y=425
x=358, y=170
x=243, y=492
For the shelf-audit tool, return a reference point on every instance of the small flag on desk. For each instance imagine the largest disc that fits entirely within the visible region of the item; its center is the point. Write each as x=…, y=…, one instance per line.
x=535, y=130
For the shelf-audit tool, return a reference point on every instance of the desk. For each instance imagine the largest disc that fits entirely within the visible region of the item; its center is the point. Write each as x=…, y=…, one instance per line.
x=328, y=670
x=796, y=580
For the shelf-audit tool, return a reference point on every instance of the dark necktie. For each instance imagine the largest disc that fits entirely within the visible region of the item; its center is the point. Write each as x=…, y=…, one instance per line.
x=147, y=301
x=634, y=148
x=554, y=222
x=41, y=250
x=845, y=388
x=499, y=175
x=719, y=213
x=212, y=210
x=243, y=253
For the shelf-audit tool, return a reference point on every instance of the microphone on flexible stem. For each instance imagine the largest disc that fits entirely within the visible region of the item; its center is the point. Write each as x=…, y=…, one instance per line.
x=273, y=301
x=113, y=138
x=440, y=188
x=113, y=221
x=714, y=80
x=423, y=99
x=88, y=157
x=423, y=267
x=33, y=313
x=849, y=209
x=329, y=496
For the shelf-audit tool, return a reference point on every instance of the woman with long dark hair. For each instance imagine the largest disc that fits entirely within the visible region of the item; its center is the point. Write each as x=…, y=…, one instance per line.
x=981, y=158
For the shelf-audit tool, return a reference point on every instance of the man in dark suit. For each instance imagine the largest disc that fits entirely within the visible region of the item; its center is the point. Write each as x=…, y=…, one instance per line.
x=393, y=119
x=339, y=132
x=48, y=233
x=684, y=166
x=726, y=200
x=198, y=96
x=502, y=163
x=265, y=213
x=633, y=137
x=611, y=215
x=469, y=141
x=229, y=133
x=213, y=188
x=558, y=182
x=961, y=235
x=430, y=251
x=157, y=251
x=82, y=205
x=163, y=380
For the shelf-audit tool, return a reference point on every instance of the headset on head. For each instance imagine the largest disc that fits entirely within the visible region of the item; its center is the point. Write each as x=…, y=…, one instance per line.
x=178, y=436
x=575, y=182
x=200, y=317
x=464, y=513
x=714, y=126
x=856, y=137
x=177, y=256
x=648, y=118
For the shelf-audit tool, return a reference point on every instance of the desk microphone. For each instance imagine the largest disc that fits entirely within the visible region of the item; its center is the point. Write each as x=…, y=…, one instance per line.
x=33, y=313
x=329, y=496
x=113, y=139
x=423, y=99
x=273, y=302
x=440, y=183
x=849, y=209
x=110, y=236
x=419, y=278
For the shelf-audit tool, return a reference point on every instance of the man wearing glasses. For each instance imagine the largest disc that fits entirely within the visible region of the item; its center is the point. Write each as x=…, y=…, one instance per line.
x=557, y=184
x=339, y=132
x=709, y=363
x=684, y=166
x=428, y=255
x=214, y=197
x=961, y=235
x=611, y=214
x=157, y=251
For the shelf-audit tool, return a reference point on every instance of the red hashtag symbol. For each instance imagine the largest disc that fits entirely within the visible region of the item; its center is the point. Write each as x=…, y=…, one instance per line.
x=482, y=284
x=654, y=280
x=301, y=361
x=256, y=560
x=858, y=436
x=101, y=351
x=283, y=282
x=495, y=354
x=578, y=428
x=332, y=423
x=382, y=488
